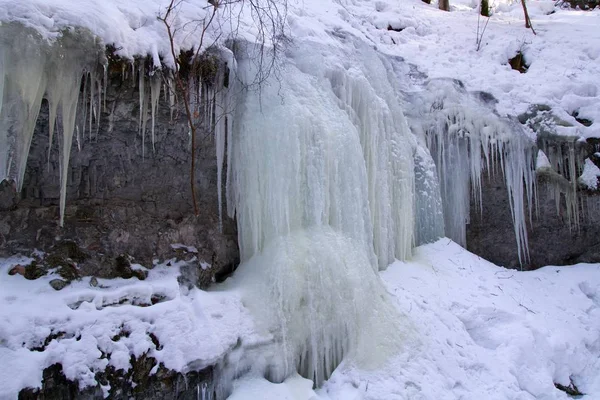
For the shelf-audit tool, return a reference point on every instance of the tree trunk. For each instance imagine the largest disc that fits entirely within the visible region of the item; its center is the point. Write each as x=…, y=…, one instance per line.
x=485, y=8
x=444, y=5
x=427, y=1
x=527, y=20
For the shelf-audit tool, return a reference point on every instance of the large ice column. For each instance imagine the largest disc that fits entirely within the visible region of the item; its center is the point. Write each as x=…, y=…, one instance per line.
x=35, y=68
x=25, y=75
x=370, y=98
x=319, y=299
x=345, y=156
x=224, y=107
x=296, y=162
x=321, y=181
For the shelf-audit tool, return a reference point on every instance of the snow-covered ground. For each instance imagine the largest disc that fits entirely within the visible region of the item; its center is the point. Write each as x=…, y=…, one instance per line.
x=475, y=330
x=478, y=332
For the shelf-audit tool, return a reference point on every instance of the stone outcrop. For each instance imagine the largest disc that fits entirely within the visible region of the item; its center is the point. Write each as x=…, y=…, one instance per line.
x=137, y=383
x=122, y=201
x=563, y=236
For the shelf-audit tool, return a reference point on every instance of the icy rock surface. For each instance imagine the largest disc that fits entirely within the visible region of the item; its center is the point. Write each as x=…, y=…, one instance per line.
x=467, y=139
x=34, y=68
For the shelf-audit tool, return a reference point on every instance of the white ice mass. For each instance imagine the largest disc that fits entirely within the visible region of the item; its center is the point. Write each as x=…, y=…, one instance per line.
x=350, y=173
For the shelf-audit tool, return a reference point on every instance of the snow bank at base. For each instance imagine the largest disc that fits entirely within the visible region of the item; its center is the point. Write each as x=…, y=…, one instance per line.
x=480, y=331
x=486, y=333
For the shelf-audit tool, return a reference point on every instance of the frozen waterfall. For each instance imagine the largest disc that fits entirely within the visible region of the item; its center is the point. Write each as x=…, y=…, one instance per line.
x=327, y=145
x=466, y=139
x=329, y=184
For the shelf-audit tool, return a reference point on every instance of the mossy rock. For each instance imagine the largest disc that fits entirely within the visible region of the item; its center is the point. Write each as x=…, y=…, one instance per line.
x=68, y=272
x=124, y=270
x=64, y=253
x=34, y=271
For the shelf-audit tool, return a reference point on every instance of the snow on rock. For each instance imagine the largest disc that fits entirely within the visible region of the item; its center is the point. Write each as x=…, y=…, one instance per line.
x=77, y=325
x=542, y=163
x=590, y=174
x=563, y=56
x=132, y=25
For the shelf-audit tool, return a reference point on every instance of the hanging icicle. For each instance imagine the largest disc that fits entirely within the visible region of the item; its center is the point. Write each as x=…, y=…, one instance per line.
x=155, y=85
x=465, y=137
x=34, y=67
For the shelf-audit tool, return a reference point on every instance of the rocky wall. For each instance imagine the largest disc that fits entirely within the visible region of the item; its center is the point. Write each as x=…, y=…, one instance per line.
x=123, y=204
x=554, y=237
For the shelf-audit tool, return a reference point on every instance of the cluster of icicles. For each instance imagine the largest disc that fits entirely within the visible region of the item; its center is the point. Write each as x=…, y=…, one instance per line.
x=559, y=165
x=70, y=73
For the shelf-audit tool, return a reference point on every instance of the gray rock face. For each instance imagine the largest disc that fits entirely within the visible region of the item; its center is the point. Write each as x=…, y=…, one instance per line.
x=137, y=383
x=491, y=234
x=554, y=238
x=121, y=199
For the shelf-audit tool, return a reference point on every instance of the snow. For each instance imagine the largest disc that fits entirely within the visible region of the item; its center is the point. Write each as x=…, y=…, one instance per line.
x=470, y=330
x=590, y=174
x=563, y=56
x=322, y=206
x=478, y=332
x=194, y=329
x=542, y=162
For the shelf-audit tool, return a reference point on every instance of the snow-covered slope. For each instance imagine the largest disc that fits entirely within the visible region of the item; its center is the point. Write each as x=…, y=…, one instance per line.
x=470, y=329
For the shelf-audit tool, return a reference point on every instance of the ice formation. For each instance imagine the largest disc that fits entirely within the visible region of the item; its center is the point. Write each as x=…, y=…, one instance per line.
x=303, y=286
x=343, y=159
x=429, y=212
x=466, y=138
x=565, y=166
x=35, y=69
x=325, y=177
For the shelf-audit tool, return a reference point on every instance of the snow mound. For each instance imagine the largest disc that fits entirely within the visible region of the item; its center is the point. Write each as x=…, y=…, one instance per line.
x=590, y=174
x=87, y=328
